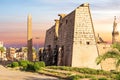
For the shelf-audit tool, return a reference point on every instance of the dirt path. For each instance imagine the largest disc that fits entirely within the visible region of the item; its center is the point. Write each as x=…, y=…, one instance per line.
x=6, y=74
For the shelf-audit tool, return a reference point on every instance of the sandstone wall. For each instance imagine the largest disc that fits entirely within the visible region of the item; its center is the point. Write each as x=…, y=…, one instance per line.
x=108, y=64
x=50, y=37
x=84, y=45
x=65, y=38
x=76, y=36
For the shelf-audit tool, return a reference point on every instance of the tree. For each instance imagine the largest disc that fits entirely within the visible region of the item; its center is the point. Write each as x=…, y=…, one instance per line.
x=116, y=46
x=26, y=49
x=33, y=52
x=2, y=49
x=114, y=53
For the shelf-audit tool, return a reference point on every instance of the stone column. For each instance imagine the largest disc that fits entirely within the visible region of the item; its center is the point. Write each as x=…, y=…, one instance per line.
x=62, y=15
x=56, y=27
x=115, y=33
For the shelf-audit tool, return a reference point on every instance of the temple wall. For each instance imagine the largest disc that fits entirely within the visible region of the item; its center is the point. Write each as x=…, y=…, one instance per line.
x=50, y=36
x=65, y=38
x=108, y=64
x=76, y=36
x=84, y=45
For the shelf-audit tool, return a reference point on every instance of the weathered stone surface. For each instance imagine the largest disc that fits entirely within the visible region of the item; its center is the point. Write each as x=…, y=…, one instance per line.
x=76, y=37
x=29, y=37
x=108, y=64
x=115, y=33
x=84, y=45
x=50, y=37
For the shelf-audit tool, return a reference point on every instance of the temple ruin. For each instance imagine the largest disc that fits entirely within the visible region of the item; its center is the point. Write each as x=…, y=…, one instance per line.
x=71, y=41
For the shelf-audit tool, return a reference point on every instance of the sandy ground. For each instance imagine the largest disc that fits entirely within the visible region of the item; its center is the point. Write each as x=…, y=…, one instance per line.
x=7, y=74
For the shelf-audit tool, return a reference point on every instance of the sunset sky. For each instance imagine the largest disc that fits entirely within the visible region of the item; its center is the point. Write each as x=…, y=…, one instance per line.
x=13, y=17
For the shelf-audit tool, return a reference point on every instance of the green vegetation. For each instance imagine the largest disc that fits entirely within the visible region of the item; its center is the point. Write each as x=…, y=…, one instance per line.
x=15, y=64
x=92, y=74
x=41, y=63
x=110, y=54
x=23, y=64
x=116, y=46
x=2, y=49
x=26, y=49
x=78, y=77
x=75, y=77
x=64, y=72
x=81, y=70
x=118, y=76
x=102, y=78
x=28, y=66
x=114, y=53
x=38, y=65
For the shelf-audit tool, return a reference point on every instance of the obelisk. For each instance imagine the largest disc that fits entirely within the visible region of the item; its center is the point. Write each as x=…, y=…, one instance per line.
x=29, y=37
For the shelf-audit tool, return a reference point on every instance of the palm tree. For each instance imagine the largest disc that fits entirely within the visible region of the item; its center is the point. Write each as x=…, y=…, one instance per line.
x=116, y=46
x=114, y=53
x=26, y=49
x=33, y=51
x=2, y=49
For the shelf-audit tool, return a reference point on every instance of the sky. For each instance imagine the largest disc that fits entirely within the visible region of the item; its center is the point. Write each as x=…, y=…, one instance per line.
x=13, y=18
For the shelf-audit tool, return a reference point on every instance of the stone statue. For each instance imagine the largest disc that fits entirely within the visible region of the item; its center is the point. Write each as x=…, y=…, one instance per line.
x=115, y=33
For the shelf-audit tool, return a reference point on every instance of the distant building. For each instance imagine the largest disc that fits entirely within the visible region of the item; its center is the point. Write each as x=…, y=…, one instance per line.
x=11, y=53
x=16, y=54
x=22, y=53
